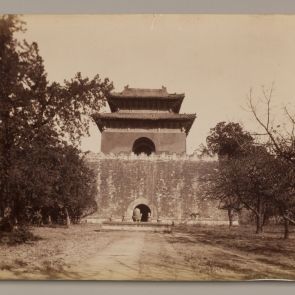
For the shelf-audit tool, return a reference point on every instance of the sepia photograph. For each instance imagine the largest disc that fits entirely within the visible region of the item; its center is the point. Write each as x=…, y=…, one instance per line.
x=147, y=147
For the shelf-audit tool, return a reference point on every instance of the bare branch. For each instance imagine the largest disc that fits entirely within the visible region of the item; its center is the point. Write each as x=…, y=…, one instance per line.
x=263, y=125
x=289, y=116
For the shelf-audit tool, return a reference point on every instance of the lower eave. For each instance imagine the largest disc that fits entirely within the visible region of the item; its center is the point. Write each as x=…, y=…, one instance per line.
x=102, y=118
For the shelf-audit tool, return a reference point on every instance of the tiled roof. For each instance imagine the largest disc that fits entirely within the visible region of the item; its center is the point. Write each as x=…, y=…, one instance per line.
x=144, y=116
x=145, y=93
x=103, y=119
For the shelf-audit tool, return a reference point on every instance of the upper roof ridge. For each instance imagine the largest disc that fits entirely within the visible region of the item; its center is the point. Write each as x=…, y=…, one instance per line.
x=144, y=92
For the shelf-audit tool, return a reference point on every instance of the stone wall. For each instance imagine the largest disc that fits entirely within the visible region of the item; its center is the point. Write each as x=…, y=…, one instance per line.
x=168, y=184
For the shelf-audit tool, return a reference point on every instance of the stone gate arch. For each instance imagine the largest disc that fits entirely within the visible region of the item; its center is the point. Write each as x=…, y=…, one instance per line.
x=141, y=201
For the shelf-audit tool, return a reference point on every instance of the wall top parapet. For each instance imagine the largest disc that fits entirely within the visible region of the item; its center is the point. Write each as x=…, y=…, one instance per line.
x=93, y=157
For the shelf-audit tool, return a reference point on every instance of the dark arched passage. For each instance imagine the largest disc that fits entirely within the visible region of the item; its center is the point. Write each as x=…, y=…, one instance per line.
x=143, y=145
x=145, y=211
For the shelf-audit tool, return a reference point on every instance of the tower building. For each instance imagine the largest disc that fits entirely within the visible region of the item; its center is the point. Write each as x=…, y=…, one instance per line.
x=144, y=121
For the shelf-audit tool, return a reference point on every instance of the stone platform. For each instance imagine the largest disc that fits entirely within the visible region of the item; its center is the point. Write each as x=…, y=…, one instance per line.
x=134, y=226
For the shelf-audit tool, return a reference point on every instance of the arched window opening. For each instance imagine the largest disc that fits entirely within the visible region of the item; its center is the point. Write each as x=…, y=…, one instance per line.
x=143, y=145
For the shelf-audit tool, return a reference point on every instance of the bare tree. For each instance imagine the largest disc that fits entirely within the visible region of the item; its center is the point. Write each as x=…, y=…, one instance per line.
x=281, y=143
x=281, y=140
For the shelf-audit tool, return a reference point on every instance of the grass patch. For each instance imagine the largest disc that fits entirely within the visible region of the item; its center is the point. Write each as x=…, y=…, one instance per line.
x=237, y=253
x=241, y=238
x=18, y=236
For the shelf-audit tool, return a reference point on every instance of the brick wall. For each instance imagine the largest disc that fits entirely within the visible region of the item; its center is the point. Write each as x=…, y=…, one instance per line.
x=169, y=185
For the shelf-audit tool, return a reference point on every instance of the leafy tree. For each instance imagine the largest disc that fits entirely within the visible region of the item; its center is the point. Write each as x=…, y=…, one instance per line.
x=32, y=108
x=281, y=191
x=246, y=177
x=259, y=182
x=239, y=183
x=77, y=187
x=216, y=186
x=52, y=180
x=228, y=140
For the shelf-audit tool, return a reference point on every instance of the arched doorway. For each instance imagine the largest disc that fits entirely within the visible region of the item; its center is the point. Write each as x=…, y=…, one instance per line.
x=141, y=201
x=145, y=211
x=143, y=145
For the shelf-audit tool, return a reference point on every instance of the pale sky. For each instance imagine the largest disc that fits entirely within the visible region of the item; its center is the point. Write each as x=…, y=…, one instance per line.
x=213, y=59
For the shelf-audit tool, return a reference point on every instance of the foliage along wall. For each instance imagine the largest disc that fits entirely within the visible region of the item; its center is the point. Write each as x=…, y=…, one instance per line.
x=170, y=185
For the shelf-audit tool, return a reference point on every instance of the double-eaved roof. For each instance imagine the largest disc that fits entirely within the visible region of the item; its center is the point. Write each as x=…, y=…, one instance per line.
x=153, y=108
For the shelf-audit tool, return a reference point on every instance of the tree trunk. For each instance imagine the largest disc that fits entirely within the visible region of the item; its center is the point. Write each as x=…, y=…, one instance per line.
x=259, y=223
x=259, y=216
x=230, y=213
x=287, y=220
x=265, y=219
x=286, y=229
x=7, y=144
x=2, y=206
x=7, y=221
x=68, y=221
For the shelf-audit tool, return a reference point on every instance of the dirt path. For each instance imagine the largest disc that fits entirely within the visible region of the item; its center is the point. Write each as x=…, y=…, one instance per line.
x=84, y=252
x=134, y=256
x=158, y=257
